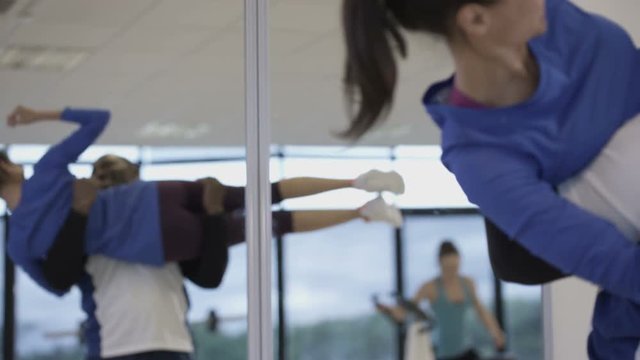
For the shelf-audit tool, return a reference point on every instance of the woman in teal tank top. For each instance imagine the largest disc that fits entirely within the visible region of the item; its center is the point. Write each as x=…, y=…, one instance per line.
x=451, y=296
x=450, y=315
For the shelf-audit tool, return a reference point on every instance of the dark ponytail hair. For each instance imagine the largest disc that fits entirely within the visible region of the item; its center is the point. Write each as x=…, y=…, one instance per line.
x=370, y=72
x=372, y=35
x=447, y=248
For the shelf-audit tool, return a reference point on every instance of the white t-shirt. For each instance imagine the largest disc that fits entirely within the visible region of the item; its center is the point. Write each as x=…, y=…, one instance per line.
x=606, y=187
x=139, y=308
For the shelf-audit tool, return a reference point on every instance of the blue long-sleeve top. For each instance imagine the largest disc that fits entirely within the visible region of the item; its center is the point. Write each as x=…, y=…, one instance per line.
x=509, y=160
x=123, y=222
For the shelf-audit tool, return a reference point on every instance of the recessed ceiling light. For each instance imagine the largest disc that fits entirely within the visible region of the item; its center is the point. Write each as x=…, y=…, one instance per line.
x=174, y=130
x=31, y=57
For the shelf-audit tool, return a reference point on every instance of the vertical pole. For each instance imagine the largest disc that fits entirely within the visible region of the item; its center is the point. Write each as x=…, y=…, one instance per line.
x=258, y=195
x=282, y=321
x=8, y=335
x=548, y=334
x=499, y=302
x=399, y=260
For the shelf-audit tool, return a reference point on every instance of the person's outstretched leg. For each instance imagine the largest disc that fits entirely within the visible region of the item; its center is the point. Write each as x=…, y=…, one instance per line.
x=233, y=199
x=302, y=221
x=306, y=186
x=376, y=210
x=208, y=269
x=372, y=181
x=285, y=222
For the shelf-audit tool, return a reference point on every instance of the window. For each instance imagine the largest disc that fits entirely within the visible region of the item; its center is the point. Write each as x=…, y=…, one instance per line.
x=331, y=276
x=423, y=235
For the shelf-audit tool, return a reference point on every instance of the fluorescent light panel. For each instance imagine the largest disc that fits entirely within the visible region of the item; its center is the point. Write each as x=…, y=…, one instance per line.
x=20, y=57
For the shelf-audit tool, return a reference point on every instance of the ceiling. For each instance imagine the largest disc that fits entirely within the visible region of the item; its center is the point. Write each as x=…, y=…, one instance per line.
x=171, y=71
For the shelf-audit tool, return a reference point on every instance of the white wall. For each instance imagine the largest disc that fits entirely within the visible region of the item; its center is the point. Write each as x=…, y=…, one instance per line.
x=567, y=309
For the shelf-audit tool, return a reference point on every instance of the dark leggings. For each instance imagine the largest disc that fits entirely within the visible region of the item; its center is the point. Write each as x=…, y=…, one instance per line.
x=467, y=355
x=64, y=264
x=513, y=263
x=181, y=213
x=152, y=355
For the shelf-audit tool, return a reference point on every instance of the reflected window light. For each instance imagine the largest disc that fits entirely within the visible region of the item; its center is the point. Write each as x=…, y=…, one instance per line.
x=93, y=153
x=26, y=154
x=198, y=153
x=418, y=151
x=30, y=154
x=81, y=171
x=337, y=152
x=429, y=184
x=231, y=173
x=28, y=171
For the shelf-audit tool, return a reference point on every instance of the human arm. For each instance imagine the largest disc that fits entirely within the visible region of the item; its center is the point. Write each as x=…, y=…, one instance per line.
x=426, y=292
x=22, y=115
x=207, y=270
x=485, y=316
x=397, y=313
x=92, y=123
x=507, y=188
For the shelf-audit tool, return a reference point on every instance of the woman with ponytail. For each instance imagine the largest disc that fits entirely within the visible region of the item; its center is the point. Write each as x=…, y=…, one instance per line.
x=528, y=123
x=451, y=296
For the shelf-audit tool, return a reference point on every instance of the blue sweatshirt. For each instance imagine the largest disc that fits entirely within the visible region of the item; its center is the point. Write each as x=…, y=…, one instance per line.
x=510, y=160
x=123, y=222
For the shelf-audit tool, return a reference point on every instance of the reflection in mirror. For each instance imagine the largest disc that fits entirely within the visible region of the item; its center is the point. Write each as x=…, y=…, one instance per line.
x=165, y=78
x=341, y=290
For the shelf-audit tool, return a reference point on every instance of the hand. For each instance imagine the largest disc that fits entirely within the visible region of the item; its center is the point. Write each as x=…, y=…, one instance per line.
x=212, y=196
x=499, y=341
x=393, y=314
x=383, y=308
x=22, y=116
x=84, y=195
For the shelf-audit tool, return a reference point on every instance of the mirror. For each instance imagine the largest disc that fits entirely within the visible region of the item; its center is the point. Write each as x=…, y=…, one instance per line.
x=327, y=278
x=171, y=74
